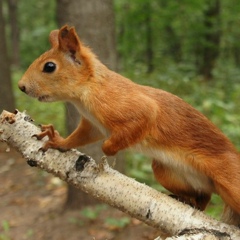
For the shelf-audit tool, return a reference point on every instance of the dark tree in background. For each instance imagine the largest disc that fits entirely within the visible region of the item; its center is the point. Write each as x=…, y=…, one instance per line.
x=172, y=40
x=6, y=94
x=149, y=41
x=94, y=22
x=210, y=47
x=15, y=34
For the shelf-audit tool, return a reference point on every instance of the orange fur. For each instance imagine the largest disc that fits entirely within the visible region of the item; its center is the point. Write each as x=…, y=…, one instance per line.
x=192, y=158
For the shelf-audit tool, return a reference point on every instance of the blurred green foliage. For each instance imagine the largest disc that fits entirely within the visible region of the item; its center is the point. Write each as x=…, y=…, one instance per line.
x=117, y=223
x=177, y=31
x=4, y=233
x=35, y=21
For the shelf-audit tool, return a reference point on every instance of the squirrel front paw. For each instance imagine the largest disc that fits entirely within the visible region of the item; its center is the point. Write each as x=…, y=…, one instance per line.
x=55, y=140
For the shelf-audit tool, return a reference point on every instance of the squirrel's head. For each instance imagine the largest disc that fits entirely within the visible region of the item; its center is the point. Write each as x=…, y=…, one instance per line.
x=56, y=73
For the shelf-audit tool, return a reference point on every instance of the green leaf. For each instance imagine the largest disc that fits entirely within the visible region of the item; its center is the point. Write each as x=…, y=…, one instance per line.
x=117, y=222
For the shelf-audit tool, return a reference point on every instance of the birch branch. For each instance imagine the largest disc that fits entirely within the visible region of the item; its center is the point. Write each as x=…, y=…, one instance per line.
x=108, y=185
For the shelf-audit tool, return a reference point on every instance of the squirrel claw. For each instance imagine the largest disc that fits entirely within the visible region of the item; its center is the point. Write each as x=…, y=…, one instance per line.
x=55, y=140
x=36, y=136
x=42, y=149
x=46, y=130
x=62, y=149
x=45, y=148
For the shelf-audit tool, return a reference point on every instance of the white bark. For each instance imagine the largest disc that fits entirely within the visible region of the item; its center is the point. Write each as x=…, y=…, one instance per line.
x=108, y=185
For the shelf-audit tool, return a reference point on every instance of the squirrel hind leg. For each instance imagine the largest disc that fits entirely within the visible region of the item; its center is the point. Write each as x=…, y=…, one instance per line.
x=182, y=191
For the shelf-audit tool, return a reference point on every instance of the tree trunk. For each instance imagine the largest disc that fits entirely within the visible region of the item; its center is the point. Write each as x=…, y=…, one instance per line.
x=149, y=40
x=14, y=28
x=94, y=21
x=173, y=43
x=6, y=94
x=211, y=39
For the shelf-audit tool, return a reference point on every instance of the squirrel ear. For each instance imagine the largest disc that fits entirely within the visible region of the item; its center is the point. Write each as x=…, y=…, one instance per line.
x=53, y=38
x=68, y=40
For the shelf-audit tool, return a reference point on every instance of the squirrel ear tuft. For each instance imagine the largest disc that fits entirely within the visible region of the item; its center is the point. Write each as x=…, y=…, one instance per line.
x=53, y=38
x=68, y=40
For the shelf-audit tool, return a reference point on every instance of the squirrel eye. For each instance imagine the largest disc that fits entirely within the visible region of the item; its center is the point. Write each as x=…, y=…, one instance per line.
x=49, y=67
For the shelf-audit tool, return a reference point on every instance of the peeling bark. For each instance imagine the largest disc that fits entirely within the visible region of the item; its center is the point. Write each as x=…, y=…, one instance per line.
x=108, y=185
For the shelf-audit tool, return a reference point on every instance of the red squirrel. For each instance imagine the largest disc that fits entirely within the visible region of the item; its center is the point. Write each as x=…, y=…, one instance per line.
x=192, y=158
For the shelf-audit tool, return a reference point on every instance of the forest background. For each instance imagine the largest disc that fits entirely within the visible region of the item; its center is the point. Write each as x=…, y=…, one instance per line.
x=190, y=48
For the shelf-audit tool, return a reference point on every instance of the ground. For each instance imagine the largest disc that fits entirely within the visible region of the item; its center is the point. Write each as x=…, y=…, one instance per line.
x=32, y=207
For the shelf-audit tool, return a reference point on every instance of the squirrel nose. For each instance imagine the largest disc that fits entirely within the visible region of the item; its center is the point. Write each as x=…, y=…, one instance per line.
x=22, y=88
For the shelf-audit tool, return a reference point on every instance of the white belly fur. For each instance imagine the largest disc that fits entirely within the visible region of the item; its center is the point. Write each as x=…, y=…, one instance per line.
x=91, y=118
x=188, y=174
